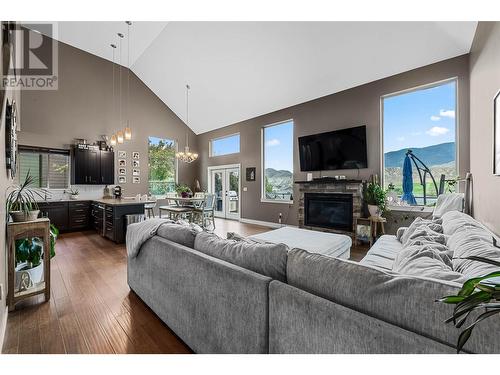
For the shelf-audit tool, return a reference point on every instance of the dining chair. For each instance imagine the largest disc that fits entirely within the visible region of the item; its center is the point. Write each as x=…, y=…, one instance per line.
x=150, y=208
x=205, y=213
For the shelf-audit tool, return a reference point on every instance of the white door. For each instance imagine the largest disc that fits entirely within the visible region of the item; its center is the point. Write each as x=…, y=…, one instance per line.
x=225, y=184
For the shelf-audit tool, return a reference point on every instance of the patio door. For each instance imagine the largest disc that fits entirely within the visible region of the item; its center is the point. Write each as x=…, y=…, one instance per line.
x=225, y=184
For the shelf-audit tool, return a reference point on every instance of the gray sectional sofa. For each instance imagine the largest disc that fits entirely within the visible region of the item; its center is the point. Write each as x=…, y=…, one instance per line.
x=230, y=296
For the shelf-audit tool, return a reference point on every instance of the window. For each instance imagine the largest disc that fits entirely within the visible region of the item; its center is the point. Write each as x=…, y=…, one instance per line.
x=277, y=162
x=424, y=121
x=50, y=168
x=162, y=166
x=225, y=145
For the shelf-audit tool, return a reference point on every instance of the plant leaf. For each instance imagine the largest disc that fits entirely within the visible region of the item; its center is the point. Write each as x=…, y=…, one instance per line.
x=465, y=335
x=483, y=260
x=470, y=284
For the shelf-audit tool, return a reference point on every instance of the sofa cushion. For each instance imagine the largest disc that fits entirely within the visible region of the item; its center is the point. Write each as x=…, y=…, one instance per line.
x=405, y=301
x=431, y=260
x=264, y=258
x=383, y=252
x=418, y=223
x=180, y=233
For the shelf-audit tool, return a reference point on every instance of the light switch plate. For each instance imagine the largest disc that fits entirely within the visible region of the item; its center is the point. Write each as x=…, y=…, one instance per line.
x=245, y=188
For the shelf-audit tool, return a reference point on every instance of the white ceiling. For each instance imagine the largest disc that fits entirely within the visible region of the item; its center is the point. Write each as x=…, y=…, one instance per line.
x=240, y=70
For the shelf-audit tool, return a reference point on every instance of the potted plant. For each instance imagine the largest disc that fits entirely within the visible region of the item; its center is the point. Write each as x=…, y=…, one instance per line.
x=74, y=194
x=21, y=201
x=183, y=190
x=479, y=293
x=375, y=198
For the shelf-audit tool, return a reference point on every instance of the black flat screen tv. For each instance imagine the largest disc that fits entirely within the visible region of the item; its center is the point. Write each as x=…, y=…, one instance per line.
x=339, y=149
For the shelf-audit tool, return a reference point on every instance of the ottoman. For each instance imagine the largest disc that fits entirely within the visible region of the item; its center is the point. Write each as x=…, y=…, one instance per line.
x=330, y=244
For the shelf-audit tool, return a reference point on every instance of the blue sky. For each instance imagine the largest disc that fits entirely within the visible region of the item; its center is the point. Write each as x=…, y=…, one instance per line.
x=420, y=118
x=278, y=141
x=227, y=145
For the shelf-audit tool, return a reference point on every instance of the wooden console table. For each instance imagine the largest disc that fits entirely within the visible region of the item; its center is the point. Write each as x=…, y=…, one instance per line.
x=15, y=231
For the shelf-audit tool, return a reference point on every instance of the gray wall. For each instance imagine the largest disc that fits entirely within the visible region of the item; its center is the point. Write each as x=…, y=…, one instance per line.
x=5, y=182
x=82, y=108
x=357, y=106
x=484, y=84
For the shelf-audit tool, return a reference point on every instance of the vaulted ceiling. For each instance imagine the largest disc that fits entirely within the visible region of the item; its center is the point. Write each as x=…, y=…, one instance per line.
x=240, y=70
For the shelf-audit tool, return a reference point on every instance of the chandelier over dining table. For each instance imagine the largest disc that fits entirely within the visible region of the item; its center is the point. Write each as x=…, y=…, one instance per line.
x=187, y=156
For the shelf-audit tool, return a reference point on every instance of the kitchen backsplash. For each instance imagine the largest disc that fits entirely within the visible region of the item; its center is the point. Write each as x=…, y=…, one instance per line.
x=85, y=192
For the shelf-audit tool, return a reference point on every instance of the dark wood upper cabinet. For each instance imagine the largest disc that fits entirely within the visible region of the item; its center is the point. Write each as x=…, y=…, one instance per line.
x=92, y=167
x=107, y=167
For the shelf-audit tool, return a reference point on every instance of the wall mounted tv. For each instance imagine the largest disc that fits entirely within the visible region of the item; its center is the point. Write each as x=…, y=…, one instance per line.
x=339, y=149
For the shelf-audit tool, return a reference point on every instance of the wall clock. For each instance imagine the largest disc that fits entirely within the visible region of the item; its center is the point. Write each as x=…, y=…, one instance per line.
x=11, y=137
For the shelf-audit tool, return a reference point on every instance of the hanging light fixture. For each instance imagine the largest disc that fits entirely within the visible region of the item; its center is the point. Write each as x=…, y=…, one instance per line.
x=128, y=131
x=187, y=156
x=119, y=134
x=112, y=139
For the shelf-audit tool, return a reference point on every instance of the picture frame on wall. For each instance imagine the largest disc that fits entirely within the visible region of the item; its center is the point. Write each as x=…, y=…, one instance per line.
x=135, y=155
x=496, y=134
x=122, y=154
x=122, y=171
x=250, y=173
x=122, y=179
x=136, y=180
x=136, y=163
x=122, y=162
x=136, y=172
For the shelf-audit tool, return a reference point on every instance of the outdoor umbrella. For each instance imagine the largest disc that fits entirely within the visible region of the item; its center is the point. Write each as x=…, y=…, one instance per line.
x=408, y=182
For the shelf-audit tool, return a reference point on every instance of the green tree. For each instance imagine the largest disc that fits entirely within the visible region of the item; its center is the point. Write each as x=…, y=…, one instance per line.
x=161, y=167
x=269, y=186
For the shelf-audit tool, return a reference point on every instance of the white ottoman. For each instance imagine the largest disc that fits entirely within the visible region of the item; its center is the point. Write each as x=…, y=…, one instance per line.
x=330, y=244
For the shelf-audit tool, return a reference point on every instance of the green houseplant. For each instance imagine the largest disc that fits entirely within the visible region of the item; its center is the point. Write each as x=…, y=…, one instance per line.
x=21, y=200
x=477, y=294
x=375, y=197
x=183, y=190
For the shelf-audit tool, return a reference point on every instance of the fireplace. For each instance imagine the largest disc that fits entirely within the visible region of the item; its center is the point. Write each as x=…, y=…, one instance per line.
x=329, y=210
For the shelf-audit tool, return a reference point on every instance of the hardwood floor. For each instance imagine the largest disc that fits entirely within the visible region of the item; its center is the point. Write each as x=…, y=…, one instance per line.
x=92, y=309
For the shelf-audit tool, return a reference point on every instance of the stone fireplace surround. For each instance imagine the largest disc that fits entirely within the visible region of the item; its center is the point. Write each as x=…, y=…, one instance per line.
x=353, y=187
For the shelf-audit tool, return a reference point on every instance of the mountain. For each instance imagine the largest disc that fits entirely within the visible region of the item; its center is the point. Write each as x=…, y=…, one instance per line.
x=282, y=181
x=440, y=154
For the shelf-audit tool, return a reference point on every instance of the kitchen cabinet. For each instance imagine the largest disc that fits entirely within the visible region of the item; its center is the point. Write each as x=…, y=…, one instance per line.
x=109, y=220
x=91, y=166
x=66, y=216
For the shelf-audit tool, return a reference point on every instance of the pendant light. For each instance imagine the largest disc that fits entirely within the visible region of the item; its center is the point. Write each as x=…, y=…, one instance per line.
x=119, y=134
x=112, y=139
x=187, y=156
x=128, y=131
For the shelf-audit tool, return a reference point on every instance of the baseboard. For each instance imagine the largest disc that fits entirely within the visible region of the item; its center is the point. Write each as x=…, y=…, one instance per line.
x=3, y=327
x=264, y=223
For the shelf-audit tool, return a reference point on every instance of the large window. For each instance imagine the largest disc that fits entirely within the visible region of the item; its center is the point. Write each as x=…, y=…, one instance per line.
x=162, y=166
x=277, y=162
x=50, y=168
x=424, y=121
x=225, y=145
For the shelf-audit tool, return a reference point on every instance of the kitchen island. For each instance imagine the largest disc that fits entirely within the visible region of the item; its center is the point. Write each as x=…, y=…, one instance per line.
x=105, y=215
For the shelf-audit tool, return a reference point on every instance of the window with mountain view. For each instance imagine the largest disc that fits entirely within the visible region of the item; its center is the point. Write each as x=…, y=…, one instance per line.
x=424, y=121
x=277, y=161
x=162, y=164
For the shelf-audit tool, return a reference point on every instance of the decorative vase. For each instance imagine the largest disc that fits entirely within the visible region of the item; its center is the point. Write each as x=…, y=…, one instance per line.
x=74, y=197
x=184, y=194
x=20, y=216
x=374, y=210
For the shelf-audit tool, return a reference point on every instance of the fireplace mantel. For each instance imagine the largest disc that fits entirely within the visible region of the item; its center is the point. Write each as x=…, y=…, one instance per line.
x=353, y=187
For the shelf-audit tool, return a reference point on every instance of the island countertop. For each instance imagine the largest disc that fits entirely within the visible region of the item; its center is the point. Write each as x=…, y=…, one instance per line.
x=121, y=201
